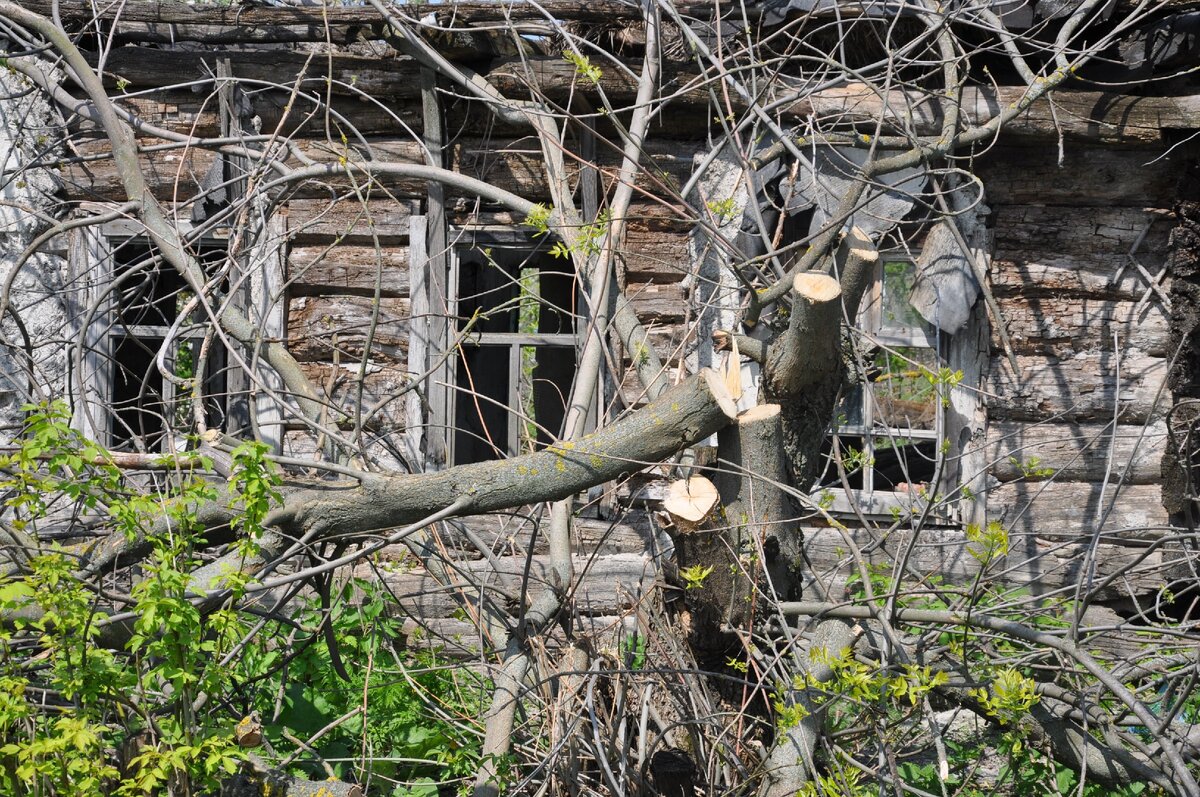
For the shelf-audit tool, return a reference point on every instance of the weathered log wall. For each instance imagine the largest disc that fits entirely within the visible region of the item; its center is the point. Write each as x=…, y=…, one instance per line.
x=1076, y=433
x=1076, y=430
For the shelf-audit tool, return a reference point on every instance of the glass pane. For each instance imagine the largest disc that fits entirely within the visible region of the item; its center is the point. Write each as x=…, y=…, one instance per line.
x=515, y=291
x=902, y=388
x=148, y=294
x=154, y=293
x=897, y=314
x=138, y=410
x=487, y=289
x=854, y=458
x=849, y=411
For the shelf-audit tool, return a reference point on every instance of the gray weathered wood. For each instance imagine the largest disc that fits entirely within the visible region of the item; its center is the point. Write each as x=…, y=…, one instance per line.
x=352, y=75
x=348, y=269
x=321, y=221
x=320, y=326
x=1074, y=511
x=1076, y=452
x=1080, y=387
x=1094, y=175
x=513, y=534
x=1044, y=565
x=1062, y=325
x=606, y=585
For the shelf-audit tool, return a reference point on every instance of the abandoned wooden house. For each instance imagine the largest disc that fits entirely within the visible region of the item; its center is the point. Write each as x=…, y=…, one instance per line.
x=1031, y=362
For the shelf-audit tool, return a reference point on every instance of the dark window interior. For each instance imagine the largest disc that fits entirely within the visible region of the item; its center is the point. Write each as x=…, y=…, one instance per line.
x=147, y=302
x=510, y=292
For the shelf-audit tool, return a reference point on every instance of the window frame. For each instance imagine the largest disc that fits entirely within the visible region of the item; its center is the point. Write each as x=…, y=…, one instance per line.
x=435, y=303
x=871, y=327
x=257, y=290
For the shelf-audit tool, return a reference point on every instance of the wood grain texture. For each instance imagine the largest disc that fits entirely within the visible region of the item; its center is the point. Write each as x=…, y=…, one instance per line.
x=322, y=327
x=1076, y=452
x=1062, y=325
x=1085, y=386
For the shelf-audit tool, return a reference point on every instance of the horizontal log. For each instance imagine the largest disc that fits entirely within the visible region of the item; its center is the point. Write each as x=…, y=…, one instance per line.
x=514, y=165
x=513, y=534
x=942, y=555
x=1087, y=386
x=348, y=269
x=317, y=17
x=1077, y=175
x=657, y=303
x=1089, y=115
x=327, y=327
x=1076, y=452
x=376, y=447
x=347, y=219
x=338, y=385
x=1074, y=512
x=338, y=73
x=198, y=114
x=656, y=255
x=1062, y=325
x=603, y=585
x=1053, y=273
x=1078, y=230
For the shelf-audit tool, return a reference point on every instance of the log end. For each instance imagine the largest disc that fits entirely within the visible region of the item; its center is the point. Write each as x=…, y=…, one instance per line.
x=816, y=287
x=861, y=246
x=691, y=501
x=757, y=413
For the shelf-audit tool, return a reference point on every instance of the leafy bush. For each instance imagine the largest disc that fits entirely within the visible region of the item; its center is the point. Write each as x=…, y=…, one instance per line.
x=81, y=714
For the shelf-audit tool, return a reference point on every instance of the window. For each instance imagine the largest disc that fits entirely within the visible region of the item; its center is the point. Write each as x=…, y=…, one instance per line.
x=145, y=358
x=516, y=317
x=888, y=430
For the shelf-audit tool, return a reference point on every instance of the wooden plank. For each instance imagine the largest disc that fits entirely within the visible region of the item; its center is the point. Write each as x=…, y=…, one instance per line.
x=1021, y=230
x=1050, y=272
x=654, y=253
x=337, y=73
x=373, y=446
x=348, y=269
x=318, y=16
x=338, y=386
x=1085, y=175
x=1061, y=325
x=195, y=114
x=1082, y=387
x=321, y=328
x=316, y=221
x=1087, y=115
x=603, y=585
x=1076, y=452
x=513, y=534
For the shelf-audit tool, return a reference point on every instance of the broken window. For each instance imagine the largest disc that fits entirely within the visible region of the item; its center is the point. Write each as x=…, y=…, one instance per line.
x=516, y=318
x=152, y=368
x=888, y=430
